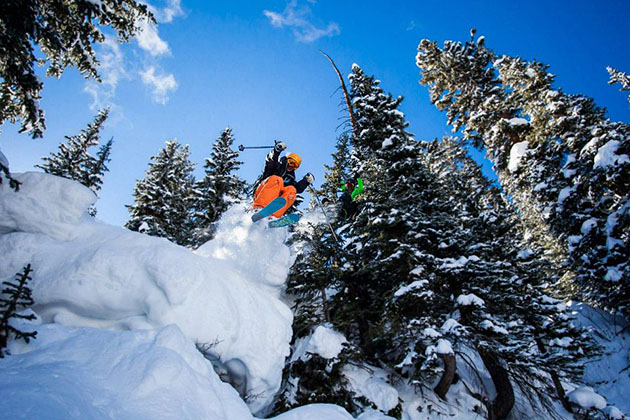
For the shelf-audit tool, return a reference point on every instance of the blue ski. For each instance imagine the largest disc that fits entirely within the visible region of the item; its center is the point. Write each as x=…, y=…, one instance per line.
x=269, y=209
x=287, y=220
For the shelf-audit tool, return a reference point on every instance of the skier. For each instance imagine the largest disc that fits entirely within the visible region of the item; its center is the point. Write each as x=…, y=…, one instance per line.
x=278, y=180
x=351, y=189
x=4, y=167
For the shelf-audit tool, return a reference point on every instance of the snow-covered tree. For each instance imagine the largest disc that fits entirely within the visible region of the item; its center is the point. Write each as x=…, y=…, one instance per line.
x=219, y=188
x=14, y=298
x=340, y=169
x=164, y=198
x=74, y=161
x=557, y=156
x=63, y=33
x=622, y=78
x=93, y=176
x=502, y=298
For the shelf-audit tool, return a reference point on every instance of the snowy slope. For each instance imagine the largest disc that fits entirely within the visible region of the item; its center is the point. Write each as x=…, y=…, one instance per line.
x=88, y=274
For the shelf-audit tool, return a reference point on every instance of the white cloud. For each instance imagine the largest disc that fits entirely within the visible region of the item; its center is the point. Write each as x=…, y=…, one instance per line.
x=111, y=69
x=149, y=40
x=116, y=64
x=411, y=26
x=169, y=12
x=296, y=18
x=161, y=85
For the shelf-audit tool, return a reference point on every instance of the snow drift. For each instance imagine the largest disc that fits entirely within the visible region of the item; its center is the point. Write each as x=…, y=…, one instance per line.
x=88, y=274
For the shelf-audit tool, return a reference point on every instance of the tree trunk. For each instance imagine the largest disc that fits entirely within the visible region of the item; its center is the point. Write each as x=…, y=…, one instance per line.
x=325, y=304
x=556, y=381
x=446, y=380
x=503, y=403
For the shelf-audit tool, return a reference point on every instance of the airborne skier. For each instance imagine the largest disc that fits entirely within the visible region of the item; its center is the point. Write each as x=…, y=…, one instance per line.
x=278, y=189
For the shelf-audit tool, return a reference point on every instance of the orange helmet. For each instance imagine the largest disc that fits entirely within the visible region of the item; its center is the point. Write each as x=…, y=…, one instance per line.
x=294, y=160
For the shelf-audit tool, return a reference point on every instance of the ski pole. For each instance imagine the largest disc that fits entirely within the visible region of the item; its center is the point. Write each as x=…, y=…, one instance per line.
x=312, y=190
x=241, y=147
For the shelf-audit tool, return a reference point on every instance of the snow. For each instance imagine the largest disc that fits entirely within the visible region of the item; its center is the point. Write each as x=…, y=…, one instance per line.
x=418, y=284
x=371, y=414
x=86, y=373
x=613, y=274
x=516, y=122
x=417, y=271
x=587, y=398
x=386, y=143
x=315, y=412
x=613, y=413
x=470, y=300
x=444, y=347
x=324, y=342
x=372, y=385
x=608, y=374
x=561, y=342
x=489, y=325
x=458, y=263
x=430, y=332
x=564, y=194
x=607, y=156
x=588, y=225
x=451, y=326
x=46, y=205
x=88, y=274
x=517, y=154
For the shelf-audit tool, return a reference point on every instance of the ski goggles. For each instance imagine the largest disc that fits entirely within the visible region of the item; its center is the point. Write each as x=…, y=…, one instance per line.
x=293, y=164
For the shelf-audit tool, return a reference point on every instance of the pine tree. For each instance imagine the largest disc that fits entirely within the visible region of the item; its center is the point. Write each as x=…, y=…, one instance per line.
x=73, y=160
x=339, y=171
x=377, y=242
x=511, y=280
x=557, y=156
x=16, y=295
x=617, y=76
x=64, y=32
x=93, y=176
x=163, y=200
x=219, y=188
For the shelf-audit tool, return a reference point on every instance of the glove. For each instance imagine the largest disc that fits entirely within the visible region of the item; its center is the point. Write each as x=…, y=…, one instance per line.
x=309, y=177
x=280, y=146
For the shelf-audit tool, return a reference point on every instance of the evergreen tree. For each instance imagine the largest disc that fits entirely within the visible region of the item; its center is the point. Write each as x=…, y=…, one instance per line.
x=16, y=295
x=64, y=32
x=163, y=200
x=73, y=160
x=339, y=171
x=617, y=76
x=219, y=188
x=557, y=156
x=511, y=280
x=93, y=176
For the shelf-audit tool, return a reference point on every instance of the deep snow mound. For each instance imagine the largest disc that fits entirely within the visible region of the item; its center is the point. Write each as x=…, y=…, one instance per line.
x=86, y=373
x=89, y=274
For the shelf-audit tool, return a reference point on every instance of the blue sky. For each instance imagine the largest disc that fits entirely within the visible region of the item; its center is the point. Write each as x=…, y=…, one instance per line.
x=255, y=66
